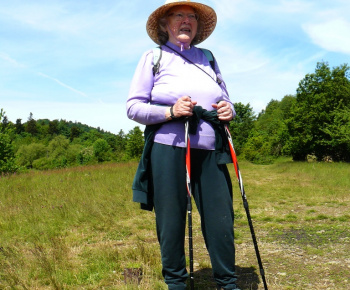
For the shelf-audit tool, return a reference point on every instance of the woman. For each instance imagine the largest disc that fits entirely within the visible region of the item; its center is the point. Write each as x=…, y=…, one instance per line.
x=161, y=100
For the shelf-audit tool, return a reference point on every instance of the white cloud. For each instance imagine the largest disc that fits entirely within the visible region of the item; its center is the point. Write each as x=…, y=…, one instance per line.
x=231, y=11
x=62, y=84
x=333, y=35
x=98, y=31
x=291, y=7
x=10, y=60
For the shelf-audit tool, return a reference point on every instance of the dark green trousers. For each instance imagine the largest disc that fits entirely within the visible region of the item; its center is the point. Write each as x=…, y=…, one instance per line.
x=212, y=192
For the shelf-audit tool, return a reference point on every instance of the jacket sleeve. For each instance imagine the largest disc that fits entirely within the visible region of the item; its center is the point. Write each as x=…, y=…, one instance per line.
x=139, y=104
x=223, y=87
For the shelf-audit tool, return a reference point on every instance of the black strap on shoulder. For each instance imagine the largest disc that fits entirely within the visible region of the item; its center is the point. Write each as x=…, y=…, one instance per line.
x=209, y=55
x=157, y=55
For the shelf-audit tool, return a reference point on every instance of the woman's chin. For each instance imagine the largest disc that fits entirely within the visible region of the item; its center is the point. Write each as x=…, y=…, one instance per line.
x=184, y=39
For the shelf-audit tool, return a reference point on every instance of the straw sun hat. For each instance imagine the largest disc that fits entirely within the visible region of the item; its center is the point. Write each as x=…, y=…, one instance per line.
x=207, y=17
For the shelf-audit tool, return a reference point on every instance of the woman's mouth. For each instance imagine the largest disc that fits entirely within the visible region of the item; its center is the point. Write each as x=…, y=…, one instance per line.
x=185, y=30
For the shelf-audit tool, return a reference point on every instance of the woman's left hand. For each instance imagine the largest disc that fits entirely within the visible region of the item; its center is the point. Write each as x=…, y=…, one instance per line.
x=224, y=111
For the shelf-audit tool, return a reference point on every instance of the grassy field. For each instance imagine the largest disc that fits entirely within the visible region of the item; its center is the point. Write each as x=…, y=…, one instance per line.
x=78, y=229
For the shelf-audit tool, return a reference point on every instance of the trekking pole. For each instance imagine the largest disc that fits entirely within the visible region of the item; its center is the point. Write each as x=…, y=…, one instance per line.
x=245, y=203
x=189, y=202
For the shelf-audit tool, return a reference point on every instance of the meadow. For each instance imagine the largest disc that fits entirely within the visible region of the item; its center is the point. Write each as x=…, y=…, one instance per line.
x=78, y=228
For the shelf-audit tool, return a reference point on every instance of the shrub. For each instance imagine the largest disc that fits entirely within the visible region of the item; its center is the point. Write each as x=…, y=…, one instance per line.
x=27, y=154
x=102, y=150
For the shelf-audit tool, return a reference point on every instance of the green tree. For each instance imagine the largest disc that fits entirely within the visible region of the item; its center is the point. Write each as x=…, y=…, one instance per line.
x=91, y=136
x=86, y=155
x=19, y=127
x=63, y=128
x=102, y=150
x=7, y=155
x=242, y=125
x=4, y=123
x=120, y=141
x=58, y=148
x=269, y=138
x=74, y=132
x=134, y=143
x=73, y=154
x=338, y=133
x=31, y=126
x=120, y=146
x=27, y=154
x=53, y=128
x=257, y=150
x=321, y=98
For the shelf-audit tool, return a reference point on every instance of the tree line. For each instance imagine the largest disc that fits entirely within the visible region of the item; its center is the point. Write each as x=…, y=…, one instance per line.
x=44, y=144
x=315, y=122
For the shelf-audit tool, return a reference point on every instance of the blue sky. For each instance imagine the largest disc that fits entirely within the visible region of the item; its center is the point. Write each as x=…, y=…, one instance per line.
x=74, y=60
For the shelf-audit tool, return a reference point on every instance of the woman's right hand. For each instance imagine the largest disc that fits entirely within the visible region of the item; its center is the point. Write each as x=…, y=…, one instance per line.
x=183, y=107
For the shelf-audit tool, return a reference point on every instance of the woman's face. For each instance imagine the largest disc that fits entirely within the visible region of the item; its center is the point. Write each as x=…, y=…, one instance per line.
x=182, y=25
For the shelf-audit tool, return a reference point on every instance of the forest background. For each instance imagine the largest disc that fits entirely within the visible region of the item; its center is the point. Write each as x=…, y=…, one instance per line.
x=312, y=124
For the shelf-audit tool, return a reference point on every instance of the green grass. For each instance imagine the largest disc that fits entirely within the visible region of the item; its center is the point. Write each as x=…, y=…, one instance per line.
x=78, y=228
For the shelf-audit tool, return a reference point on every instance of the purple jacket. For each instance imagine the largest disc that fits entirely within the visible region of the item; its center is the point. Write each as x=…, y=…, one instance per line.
x=149, y=95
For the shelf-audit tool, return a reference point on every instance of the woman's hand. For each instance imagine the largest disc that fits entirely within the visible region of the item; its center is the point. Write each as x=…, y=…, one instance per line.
x=182, y=108
x=224, y=111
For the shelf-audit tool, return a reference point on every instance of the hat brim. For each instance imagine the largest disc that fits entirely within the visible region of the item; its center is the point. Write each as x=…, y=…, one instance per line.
x=206, y=15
